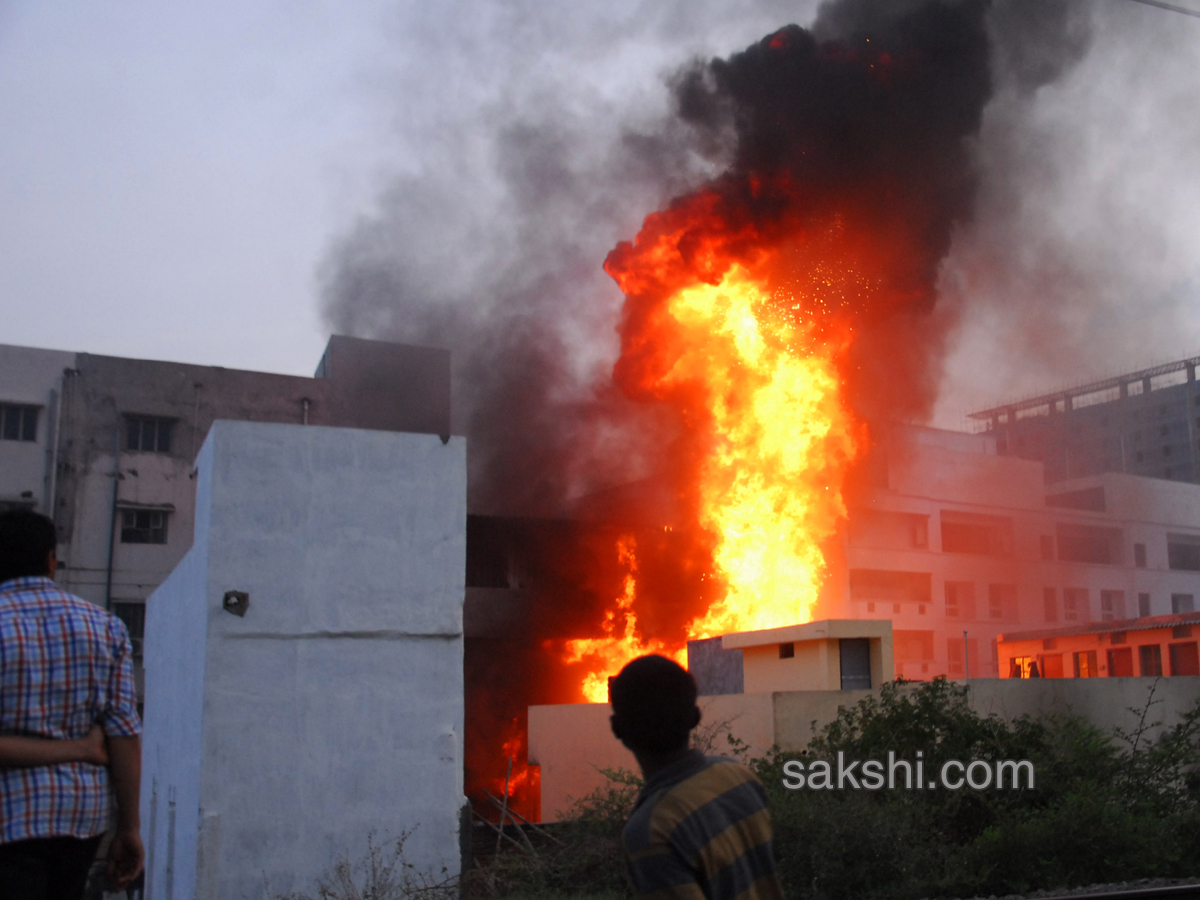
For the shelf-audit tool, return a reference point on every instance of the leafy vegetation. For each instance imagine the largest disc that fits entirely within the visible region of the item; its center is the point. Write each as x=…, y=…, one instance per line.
x=1103, y=809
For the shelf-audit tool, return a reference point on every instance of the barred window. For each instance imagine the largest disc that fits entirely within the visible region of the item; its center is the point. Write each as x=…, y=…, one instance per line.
x=149, y=435
x=133, y=614
x=143, y=526
x=18, y=423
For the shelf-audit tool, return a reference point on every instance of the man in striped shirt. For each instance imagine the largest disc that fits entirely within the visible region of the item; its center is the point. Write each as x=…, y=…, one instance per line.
x=65, y=665
x=700, y=829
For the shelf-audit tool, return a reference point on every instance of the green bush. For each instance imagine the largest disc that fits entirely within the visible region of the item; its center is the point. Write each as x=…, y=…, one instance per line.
x=1103, y=809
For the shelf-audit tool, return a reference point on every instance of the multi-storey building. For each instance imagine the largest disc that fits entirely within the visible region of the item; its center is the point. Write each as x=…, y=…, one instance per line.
x=1140, y=423
x=106, y=445
x=958, y=544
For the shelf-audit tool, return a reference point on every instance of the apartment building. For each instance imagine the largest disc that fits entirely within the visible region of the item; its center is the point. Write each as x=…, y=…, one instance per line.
x=106, y=445
x=958, y=544
x=1139, y=423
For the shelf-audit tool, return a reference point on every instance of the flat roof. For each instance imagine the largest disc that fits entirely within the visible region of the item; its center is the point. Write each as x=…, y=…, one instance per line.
x=821, y=630
x=1089, y=388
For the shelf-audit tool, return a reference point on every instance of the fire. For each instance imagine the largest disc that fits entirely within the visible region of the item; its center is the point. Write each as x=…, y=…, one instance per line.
x=769, y=488
x=754, y=374
x=621, y=642
x=520, y=787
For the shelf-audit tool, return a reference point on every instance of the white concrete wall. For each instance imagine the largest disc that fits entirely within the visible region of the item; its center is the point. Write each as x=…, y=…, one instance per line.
x=333, y=710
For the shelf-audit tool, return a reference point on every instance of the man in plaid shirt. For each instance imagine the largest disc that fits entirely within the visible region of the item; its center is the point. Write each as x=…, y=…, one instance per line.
x=65, y=665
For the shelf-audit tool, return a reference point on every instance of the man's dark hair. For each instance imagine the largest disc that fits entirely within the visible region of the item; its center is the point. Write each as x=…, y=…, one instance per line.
x=654, y=705
x=26, y=539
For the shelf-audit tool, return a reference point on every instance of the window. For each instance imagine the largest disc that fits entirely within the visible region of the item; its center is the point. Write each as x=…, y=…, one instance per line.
x=1112, y=605
x=1019, y=666
x=1002, y=601
x=912, y=645
x=787, y=651
x=1143, y=605
x=1150, y=661
x=960, y=600
x=143, y=526
x=1184, y=659
x=1050, y=604
x=1120, y=663
x=148, y=435
x=1181, y=631
x=1139, y=555
x=890, y=586
x=18, y=423
x=1085, y=664
x=1183, y=552
x=973, y=533
x=1088, y=543
x=133, y=614
x=1075, y=605
x=889, y=530
x=1182, y=603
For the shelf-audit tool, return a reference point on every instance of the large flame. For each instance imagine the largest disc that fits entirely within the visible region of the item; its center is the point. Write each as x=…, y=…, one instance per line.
x=770, y=487
x=753, y=372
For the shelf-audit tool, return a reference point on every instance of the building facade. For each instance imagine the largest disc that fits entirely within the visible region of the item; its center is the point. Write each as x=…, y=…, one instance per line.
x=1140, y=423
x=958, y=544
x=107, y=445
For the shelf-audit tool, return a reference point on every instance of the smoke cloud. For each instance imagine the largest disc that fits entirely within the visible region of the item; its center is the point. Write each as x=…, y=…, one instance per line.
x=1065, y=237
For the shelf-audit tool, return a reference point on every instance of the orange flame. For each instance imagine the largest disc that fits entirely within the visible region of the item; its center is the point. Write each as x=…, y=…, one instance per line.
x=753, y=372
x=770, y=487
x=608, y=655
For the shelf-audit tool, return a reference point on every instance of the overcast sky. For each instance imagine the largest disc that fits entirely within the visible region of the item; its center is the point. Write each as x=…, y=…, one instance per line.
x=174, y=179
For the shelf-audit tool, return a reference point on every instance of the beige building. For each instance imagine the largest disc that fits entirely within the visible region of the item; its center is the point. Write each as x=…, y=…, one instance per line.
x=957, y=545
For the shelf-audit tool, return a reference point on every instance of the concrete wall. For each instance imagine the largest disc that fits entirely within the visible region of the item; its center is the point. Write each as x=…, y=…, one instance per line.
x=816, y=666
x=573, y=742
x=277, y=742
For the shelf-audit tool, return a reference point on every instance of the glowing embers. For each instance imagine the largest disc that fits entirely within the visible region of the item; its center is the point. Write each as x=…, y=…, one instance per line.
x=606, y=656
x=779, y=439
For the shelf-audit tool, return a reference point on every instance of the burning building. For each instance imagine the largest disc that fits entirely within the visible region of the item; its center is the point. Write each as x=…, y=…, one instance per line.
x=775, y=319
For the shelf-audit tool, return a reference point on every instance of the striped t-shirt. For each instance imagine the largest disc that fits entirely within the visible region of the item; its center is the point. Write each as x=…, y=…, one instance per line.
x=701, y=829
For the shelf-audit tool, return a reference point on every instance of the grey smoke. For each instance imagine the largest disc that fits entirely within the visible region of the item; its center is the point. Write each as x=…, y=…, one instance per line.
x=537, y=139
x=1083, y=256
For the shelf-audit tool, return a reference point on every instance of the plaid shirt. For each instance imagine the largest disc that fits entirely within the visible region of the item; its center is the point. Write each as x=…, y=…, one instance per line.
x=64, y=664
